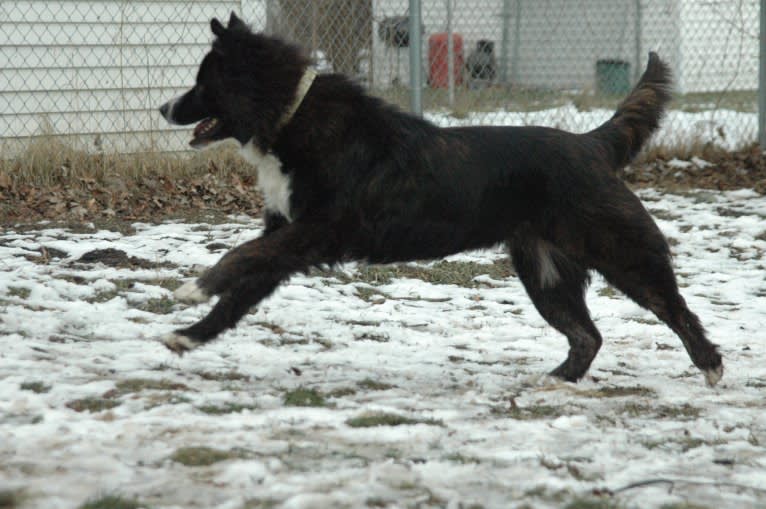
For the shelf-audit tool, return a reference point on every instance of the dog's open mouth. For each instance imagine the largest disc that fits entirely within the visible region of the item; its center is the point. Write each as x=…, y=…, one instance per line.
x=207, y=131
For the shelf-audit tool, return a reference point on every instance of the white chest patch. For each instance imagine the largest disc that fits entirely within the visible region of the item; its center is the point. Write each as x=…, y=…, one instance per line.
x=275, y=185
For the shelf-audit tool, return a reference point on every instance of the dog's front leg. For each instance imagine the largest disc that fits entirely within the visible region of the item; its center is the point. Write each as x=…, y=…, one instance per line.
x=249, y=273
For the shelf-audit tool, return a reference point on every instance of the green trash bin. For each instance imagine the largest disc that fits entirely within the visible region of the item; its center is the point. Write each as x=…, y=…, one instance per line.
x=612, y=77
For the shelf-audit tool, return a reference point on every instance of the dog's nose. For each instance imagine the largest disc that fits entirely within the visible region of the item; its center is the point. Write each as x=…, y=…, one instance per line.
x=164, y=109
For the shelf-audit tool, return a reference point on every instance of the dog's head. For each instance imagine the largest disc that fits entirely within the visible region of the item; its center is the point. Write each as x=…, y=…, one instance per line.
x=244, y=85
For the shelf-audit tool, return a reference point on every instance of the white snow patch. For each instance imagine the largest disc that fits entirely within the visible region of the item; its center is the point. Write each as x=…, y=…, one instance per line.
x=468, y=364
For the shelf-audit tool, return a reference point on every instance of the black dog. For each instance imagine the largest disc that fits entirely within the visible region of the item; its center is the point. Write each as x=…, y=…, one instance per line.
x=348, y=177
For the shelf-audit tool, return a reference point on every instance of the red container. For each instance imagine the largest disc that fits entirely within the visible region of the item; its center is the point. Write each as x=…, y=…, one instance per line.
x=438, y=59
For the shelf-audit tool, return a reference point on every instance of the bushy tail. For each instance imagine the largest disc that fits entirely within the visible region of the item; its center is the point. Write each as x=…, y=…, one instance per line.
x=639, y=115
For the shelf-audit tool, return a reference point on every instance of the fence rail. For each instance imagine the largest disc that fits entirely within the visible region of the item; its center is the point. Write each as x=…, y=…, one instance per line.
x=93, y=71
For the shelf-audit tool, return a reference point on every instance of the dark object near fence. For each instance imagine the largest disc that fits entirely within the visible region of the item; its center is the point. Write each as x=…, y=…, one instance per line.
x=394, y=31
x=612, y=77
x=481, y=64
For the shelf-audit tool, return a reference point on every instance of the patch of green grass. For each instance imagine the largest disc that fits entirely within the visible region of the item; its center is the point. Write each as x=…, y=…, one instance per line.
x=168, y=283
x=544, y=492
x=644, y=321
x=123, y=284
x=222, y=376
x=683, y=505
x=373, y=385
x=440, y=273
x=325, y=343
x=685, y=411
x=341, y=392
x=528, y=413
x=463, y=460
x=304, y=397
x=608, y=291
x=449, y=273
x=370, y=336
x=593, y=503
x=37, y=387
x=112, y=502
x=684, y=443
x=131, y=385
x=92, y=404
x=619, y=392
x=71, y=278
x=202, y=456
x=17, y=291
x=387, y=419
x=161, y=306
x=265, y=503
x=103, y=296
x=681, y=412
x=370, y=294
x=156, y=399
x=228, y=408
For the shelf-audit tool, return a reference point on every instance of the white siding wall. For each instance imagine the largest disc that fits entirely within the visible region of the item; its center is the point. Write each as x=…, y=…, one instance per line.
x=560, y=41
x=719, y=48
x=99, y=69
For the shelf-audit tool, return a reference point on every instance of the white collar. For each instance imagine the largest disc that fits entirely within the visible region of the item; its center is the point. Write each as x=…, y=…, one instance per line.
x=300, y=93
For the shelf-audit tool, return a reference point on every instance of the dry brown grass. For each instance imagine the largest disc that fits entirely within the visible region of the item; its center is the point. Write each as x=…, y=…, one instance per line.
x=683, y=151
x=48, y=160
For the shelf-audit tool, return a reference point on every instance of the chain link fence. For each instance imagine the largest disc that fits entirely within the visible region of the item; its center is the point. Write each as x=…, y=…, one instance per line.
x=93, y=71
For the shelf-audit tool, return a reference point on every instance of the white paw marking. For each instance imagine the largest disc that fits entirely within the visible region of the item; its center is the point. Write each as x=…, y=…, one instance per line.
x=191, y=293
x=712, y=376
x=178, y=343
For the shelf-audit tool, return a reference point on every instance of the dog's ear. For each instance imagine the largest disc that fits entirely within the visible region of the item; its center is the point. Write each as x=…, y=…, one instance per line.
x=217, y=28
x=235, y=22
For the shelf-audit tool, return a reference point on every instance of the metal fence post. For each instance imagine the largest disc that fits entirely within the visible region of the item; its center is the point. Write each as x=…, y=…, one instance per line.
x=504, y=56
x=450, y=56
x=416, y=54
x=762, y=80
x=638, y=27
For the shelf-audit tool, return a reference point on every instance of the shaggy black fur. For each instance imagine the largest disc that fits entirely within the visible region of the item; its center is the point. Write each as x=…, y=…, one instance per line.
x=370, y=182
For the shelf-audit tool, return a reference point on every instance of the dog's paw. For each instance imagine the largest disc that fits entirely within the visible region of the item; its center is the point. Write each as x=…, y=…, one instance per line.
x=713, y=375
x=191, y=293
x=178, y=343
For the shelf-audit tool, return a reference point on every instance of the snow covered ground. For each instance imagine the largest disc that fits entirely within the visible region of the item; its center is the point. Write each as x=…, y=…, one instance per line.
x=91, y=404
x=727, y=129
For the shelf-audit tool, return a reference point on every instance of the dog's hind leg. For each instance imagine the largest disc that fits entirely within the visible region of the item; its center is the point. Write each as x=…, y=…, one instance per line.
x=251, y=272
x=649, y=281
x=556, y=284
